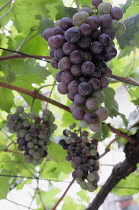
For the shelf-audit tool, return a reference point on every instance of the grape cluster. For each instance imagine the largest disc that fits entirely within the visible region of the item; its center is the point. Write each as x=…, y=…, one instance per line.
x=33, y=133
x=83, y=156
x=81, y=48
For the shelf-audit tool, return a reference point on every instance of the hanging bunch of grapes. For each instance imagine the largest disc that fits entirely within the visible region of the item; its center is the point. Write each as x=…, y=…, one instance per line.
x=33, y=133
x=83, y=155
x=81, y=48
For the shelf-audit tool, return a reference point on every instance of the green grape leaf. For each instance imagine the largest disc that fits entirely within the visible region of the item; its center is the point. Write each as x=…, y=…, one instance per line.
x=4, y=183
x=70, y=204
x=6, y=99
x=83, y=196
x=44, y=23
x=56, y=152
x=11, y=77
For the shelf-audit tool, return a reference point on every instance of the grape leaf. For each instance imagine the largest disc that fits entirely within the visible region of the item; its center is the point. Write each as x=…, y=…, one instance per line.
x=70, y=204
x=4, y=184
x=6, y=99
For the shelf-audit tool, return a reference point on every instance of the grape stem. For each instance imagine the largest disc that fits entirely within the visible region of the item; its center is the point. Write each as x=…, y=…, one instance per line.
x=63, y=195
x=78, y=5
x=128, y=80
x=107, y=149
x=7, y=150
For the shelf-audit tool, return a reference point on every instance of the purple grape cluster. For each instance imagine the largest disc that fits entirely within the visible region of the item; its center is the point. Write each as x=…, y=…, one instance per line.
x=83, y=155
x=81, y=48
x=33, y=133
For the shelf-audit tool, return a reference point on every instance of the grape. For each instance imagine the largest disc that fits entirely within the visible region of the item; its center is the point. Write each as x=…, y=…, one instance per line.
x=104, y=8
x=28, y=137
x=85, y=166
x=105, y=21
x=85, y=29
x=11, y=124
x=36, y=155
x=79, y=173
x=26, y=123
x=18, y=126
x=47, y=33
x=104, y=39
x=76, y=70
x=91, y=189
x=73, y=86
x=65, y=23
x=79, y=180
x=51, y=42
x=24, y=116
x=97, y=73
x=35, y=140
x=59, y=40
x=79, y=18
x=54, y=63
x=93, y=152
x=92, y=103
x=30, y=145
x=88, y=68
x=73, y=106
x=22, y=142
x=104, y=82
x=111, y=52
x=32, y=115
x=84, y=88
x=91, y=162
x=96, y=2
x=93, y=21
x=99, y=95
x=78, y=113
x=84, y=42
x=51, y=53
x=86, y=9
x=116, y=13
x=68, y=48
x=96, y=47
x=15, y=117
x=66, y=77
x=83, y=124
x=121, y=29
x=58, y=76
x=96, y=126
x=95, y=83
x=70, y=96
x=42, y=134
x=89, y=117
x=28, y=159
x=37, y=119
x=41, y=142
x=72, y=126
x=110, y=32
x=87, y=56
x=20, y=109
x=65, y=64
x=72, y=35
x=114, y=24
x=79, y=99
x=57, y=30
x=76, y=57
x=102, y=113
x=77, y=160
x=21, y=133
x=102, y=66
x=58, y=53
x=31, y=151
x=95, y=34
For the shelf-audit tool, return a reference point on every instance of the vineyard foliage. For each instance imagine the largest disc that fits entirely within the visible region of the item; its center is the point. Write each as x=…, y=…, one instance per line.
x=21, y=26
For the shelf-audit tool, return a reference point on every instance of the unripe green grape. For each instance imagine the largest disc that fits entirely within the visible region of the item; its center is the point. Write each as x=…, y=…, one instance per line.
x=30, y=145
x=53, y=127
x=26, y=123
x=83, y=185
x=99, y=95
x=42, y=135
x=41, y=142
x=91, y=177
x=21, y=133
x=104, y=8
x=91, y=189
x=79, y=18
x=18, y=126
x=79, y=180
x=121, y=29
x=28, y=159
x=28, y=137
x=35, y=162
x=91, y=162
x=24, y=116
x=72, y=126
x=31, y=151
x=92, y=146
x=36, y=147
x=11, y=130
x=68, y=132
x=83, y=124
x=114, y=24
x=46, y=112
x=44, y=147
x=45, y=117
x=85, y=139
x=32, y=115
x=57, y=23
x=51, y=119
x=48, y=142
x=93, y=152
x=36, y=155
x=102, y=113
x=69, y=140
x=89, y=184
x=96, y=126
x=9, y=117
x=35, y=140
x=20, y=109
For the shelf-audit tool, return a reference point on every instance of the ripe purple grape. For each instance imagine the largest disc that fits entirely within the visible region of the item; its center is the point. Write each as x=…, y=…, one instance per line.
x=96, y=47
x=65, y=64
x=54, y=63
x=79, y=99
x=78, y=113
x=84, y=42
x=95, y=83
x=85, y=29
x=57, y=30
x=47, y=33
x=84, y=88
x=65, y=23
x=66, y=77
x=88, y=68
x=104, y=39
x=68, y=48
x=76, y=70
x=58, y=53
x=73, y=86
x=72, y=35
x=92, y=103
x=62, y=88
x=90, y=117
x=93, y=21
x=116, y=13
x=95, y=3
x=76, y=57
x=105, y=21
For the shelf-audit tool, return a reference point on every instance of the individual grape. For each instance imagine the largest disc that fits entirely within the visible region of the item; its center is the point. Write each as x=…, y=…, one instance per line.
x=102, y=66
x=95, y=34
x=72, y=35
x=79, y=173
x=89, y=117
x=93, y=21
x=104, y=82
x=31, y=151
x=102, y=113
x=35, y=140
x=76, y=70
x=18, y=126
x=79, y=99
x=92, y=103
x=91, y=162
x=96, y=47
x=58, y=53
x=104, y=39
x=54, y=63
x=97, y=73
x=84, y=88
x=57, y=30
x=121, y=29
x=65, y=23
x=20, y=109
x=83, y=124
x=58, y=76
x=21, y=133
x=11, y=124
x=110, y=32
x=68, y=48
x=104, y=8
x=88, y=68
x=85, y=133
x=28, y=158
x=68, y=140
x=77, y=160
x=65, y=64
x=59, y=40
x=51, y=42
x=76, y=57
x=99, y=95
x=73, y=86
x=111, y=53
x=105, y=21
x=30, y=145
x=37, y=119
x=78, y=113
x=95, y=3
x=85, y=29
x=96, y=126
x=26, y=123
x=51, y=53
x=42, y=134
x=95, y=83
x=114, y=24
x=87, y=56
x=47, y=33
x=41, y=142
x=85, y=167
x=70, y=96
x=79, y=18
x=28, y=137
x=73, y=106
x=116, y=13
x=36, y=155
x=86, y=9
x=15, y=117
x=22, y=141
x=72, y=126
x=83, y=185
x=66, y=77
x=79, y=180
x=32, y=115
x=24, y=116
x=93, y=152
x=84, y=42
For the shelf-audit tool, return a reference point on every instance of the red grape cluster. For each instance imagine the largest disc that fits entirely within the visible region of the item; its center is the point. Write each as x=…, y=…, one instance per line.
x=80, y=48
x=33, y=133
x=83, y=156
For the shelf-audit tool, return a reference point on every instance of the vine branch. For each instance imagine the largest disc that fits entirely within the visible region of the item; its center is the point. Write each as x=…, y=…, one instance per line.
x=63, y=195
x=128, y=80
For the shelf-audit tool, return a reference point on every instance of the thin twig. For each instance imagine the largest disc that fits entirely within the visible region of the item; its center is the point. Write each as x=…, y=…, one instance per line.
x=19, y=204
x=107, y=149
x=63, y=195
x=8, y=150
x=39, y=193
x=128, y=80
